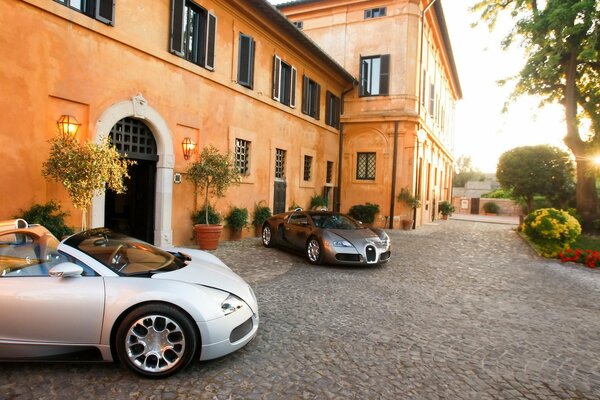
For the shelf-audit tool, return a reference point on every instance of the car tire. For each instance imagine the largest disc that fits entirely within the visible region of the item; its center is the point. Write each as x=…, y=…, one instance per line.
x=156, y=341
x=267, y=236
x=314, y=251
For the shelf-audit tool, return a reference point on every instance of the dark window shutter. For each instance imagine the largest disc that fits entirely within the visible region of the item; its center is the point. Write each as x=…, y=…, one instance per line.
x=317, y=101
x=251, y=63
x=305, y=91
x=276, y=78
x=328, y=110
x=246, y=60
x=384, y=85
x=105, y=11
x=293, y=88
x=364, y=77
x=337, y=112
x=211, y=32
x=177, y=16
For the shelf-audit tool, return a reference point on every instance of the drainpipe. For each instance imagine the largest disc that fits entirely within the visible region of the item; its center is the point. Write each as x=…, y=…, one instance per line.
x=394, y=167
x=338, y=195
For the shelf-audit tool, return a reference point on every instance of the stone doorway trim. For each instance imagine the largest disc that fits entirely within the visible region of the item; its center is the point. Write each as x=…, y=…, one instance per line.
x=138, y=107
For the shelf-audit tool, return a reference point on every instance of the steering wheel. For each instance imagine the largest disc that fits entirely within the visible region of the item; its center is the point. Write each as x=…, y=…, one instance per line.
x=118, y=258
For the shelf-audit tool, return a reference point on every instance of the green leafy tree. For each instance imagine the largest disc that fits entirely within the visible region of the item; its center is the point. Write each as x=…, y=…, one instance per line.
x=537, y=170
x=212, y=173
x=561, y=39
x=464, y=172
x=85, y=169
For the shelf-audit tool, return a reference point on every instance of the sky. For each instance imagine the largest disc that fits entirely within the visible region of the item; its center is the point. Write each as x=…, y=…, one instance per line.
x=483, y=132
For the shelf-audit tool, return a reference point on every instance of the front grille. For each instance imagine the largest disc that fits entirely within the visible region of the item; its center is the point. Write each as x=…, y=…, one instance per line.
x=371, y=253
x=348, y=257
x=241, y=331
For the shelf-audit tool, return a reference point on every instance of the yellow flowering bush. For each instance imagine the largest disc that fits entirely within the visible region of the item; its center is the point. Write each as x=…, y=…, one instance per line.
x=551, y=230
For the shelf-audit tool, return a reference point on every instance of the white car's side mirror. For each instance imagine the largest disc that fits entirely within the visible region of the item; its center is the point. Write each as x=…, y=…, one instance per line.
x=66, y=269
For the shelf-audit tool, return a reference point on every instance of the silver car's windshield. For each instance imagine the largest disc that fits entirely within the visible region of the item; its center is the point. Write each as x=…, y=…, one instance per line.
x=123, y=254
x=334, y=221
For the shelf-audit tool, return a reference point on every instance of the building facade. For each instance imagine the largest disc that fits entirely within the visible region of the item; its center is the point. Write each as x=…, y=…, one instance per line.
x=154, y=75
x=398, y=123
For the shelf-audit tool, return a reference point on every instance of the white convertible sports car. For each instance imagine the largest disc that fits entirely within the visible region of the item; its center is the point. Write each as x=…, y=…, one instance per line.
x=101, y=295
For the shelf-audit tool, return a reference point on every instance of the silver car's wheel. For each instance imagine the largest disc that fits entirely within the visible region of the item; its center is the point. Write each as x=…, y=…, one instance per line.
x=267, y=236
x=314, y=251
x=156, y=341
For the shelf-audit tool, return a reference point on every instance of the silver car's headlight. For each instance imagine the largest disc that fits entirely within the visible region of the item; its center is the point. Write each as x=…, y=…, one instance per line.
x=232, y=304
x=341, y=243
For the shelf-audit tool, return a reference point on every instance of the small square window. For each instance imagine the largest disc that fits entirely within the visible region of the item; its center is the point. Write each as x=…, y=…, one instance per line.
x=375, y=12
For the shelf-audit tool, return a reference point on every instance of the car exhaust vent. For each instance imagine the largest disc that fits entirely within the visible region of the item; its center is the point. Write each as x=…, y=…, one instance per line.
x=241, y=331
x=371, y=253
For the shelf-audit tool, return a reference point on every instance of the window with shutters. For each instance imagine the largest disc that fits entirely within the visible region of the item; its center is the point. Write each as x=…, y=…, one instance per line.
x=246, y=61
x=365, y=166
x=311, y=97
x=332, y=110
x=284, y=82
x=193, y=33
x=374, y=75
x=101, y=10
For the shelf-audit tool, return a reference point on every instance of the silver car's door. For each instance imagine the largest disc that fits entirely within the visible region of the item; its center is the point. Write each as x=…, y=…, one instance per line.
x=36, y=307
x=296, y=230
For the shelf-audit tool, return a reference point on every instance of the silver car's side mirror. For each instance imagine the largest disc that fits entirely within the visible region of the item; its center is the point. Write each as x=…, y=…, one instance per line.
x=66, y=269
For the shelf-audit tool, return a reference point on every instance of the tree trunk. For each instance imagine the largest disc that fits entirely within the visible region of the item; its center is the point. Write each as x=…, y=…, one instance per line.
x=586, y=196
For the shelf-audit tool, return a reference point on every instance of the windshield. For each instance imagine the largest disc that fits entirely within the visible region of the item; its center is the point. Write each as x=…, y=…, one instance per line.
x=334, y=221
x=123, y=254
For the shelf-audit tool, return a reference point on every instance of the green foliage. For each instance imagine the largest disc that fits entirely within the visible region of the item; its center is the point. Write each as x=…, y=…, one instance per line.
x=491, y=208
x=406, y=197
x=261, y=214
x=237, y=218
x=465, y=172
x=49, y=215
x=446, y=208
x=499, y=194
x=294, y=206
x=551, y=230
x=213, y=173
x=537, y=170
x=85, y=169
x=364, y=212
x=206, y=215
x=318, y=202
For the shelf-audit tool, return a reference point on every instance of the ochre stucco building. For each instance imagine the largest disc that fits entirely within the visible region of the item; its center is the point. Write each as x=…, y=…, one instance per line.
x=398, y=124
x=238, y=75
x=152, y=73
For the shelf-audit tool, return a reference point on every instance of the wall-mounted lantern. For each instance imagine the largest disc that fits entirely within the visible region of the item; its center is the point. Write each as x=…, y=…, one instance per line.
x=188, y=146
x=68, y=125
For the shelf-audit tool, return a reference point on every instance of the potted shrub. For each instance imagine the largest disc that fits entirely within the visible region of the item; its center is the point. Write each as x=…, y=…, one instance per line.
x=491, y=208
x=446, y=209
x=49, y=215
x=412, y=202
x=364, y=213
x=318, y=203
x=237, y=220
x=261, y=214
x=212, y=173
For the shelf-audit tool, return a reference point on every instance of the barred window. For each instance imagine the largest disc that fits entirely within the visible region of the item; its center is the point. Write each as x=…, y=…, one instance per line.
x=365, y=166
x=329, y=172
x=307, y=167
x=279, y=164
x=242, y=156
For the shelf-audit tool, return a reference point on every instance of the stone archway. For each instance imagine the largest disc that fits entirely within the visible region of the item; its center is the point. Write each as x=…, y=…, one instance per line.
x=138, y=108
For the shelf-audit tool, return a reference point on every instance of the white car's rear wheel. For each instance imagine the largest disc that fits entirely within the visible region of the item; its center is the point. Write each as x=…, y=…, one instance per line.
x=156, y=341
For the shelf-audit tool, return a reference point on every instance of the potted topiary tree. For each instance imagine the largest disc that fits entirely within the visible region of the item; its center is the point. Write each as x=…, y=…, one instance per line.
x=261, y=214
x=446, y=209
x=213, y=173
x=413, y=203
x=237, y=220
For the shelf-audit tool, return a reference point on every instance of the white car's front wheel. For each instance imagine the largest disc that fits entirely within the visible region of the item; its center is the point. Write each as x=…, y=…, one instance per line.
x=156, y=341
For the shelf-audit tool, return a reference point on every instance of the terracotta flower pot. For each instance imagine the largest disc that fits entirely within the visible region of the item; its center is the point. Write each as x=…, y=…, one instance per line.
x=407, y=224
x=208, y=236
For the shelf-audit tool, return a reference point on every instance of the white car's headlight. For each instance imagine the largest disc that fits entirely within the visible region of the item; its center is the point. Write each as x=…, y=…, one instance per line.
x=341, y=243
x=232, y=304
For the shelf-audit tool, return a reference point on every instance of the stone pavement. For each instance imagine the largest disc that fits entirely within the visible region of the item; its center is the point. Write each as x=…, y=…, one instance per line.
x=464, y=310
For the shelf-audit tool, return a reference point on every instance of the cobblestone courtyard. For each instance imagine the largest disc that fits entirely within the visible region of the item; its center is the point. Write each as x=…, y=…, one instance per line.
x=464, y=310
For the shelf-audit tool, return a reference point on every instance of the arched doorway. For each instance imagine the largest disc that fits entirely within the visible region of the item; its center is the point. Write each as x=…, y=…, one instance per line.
x=132, y=212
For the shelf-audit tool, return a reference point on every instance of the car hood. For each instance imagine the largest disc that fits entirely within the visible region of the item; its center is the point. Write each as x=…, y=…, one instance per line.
x=207, y=270
x=356, y=234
